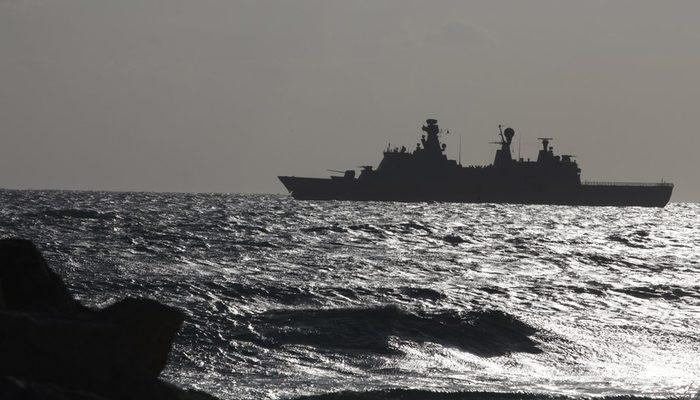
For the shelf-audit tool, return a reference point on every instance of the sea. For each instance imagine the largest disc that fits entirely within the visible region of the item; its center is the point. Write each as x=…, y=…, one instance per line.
x=289, y=298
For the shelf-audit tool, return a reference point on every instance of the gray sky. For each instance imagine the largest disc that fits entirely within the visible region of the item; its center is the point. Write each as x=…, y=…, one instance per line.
x=182, y=95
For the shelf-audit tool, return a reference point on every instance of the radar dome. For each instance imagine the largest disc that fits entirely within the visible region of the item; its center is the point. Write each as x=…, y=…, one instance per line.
x=509, y=133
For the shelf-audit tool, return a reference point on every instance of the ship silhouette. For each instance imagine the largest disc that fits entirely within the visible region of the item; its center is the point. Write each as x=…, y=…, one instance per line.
x=426, y=174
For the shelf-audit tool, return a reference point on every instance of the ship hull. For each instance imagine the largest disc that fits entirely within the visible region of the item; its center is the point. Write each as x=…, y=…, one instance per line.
x=654, y=195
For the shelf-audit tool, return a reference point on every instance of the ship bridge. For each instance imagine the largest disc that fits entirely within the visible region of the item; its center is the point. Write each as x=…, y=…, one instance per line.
x=427, y=160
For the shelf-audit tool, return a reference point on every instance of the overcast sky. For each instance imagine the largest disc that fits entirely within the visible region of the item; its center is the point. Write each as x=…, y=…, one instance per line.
x=183, y=95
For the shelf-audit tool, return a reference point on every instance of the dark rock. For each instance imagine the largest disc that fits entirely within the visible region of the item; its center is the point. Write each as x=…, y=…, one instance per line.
x=27, y=283
x=2, y=299
x=64, y=349
x=70, y=349
x=16, y=389
x=147, y=331
x=12, y=388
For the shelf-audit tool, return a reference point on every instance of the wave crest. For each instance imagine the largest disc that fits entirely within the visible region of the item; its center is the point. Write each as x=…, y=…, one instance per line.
x=418, y=394
x=486, y=333
x=76, y=213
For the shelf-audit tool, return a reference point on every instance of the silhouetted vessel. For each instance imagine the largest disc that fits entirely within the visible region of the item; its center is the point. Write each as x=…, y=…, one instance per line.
x=427, y=175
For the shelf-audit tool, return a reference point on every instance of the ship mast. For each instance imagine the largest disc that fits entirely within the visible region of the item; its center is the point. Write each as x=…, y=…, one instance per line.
x=460, y=148
x=503, y=155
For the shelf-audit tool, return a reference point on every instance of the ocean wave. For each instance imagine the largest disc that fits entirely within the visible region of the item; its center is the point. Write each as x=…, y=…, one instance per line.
x=485, y=333
x=416, y=293
x=635, y=240
x=296, y=295
x=667, y=292
x=454, y=239
x=280, y=294
x=380, y=230
x=253, y=243
x=659, y=291
x=75, y=213
x=324, y=229
x=417, y=394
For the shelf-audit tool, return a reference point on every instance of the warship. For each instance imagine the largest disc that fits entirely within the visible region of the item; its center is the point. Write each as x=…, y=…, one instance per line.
x=426, y=174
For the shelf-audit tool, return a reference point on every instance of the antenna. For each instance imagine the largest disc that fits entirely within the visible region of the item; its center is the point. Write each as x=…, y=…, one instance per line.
x=460, y=148
x=500, y=132
x=519, y=137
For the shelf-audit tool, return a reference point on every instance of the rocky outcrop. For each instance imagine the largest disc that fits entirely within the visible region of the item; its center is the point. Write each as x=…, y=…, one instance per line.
x=51, y=346
x=27, y=284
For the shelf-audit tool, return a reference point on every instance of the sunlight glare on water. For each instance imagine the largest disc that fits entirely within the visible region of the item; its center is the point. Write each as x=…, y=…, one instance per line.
x=287, y=298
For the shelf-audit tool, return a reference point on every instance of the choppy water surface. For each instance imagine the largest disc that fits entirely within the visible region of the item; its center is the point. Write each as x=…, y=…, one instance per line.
x=288, y=298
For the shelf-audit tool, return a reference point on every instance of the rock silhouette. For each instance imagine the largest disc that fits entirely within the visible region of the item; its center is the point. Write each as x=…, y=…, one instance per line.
x=53, y=347
x=27, y=284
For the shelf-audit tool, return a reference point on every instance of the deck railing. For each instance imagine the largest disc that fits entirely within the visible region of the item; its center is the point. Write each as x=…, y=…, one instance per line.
x=602, y=183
